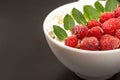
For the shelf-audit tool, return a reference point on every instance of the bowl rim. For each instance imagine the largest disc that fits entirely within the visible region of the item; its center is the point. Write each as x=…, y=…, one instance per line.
x=70, y=48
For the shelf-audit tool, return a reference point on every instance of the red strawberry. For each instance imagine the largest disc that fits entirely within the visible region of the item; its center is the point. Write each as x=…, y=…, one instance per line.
x=96, y=32
x=108, y=42
x=117, y=34
x=89, y=43
x=93, y=23
x=117, y=11
x=71, y=41
x=106, y=16
x=118, y=18
x=110, y=26
x=80, y=31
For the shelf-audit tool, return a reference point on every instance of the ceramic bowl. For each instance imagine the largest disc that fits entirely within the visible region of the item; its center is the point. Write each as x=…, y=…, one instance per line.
x=90, y=65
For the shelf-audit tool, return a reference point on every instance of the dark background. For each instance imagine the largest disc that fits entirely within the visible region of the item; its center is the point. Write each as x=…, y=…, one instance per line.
x=24, y=52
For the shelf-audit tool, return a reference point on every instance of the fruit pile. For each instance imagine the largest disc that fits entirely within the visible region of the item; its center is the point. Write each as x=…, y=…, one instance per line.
x=102, y=34
x=98, y=27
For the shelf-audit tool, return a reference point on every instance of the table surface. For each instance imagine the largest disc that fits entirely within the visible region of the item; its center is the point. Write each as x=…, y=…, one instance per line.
x=24, y=52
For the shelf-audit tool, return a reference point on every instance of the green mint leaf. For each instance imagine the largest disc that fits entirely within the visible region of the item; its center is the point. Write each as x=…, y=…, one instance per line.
x=99, y=6
x=85, y=16
x=111, y=5
x=59, y=32
x=68, y=22
x=90, y=12
x=78, y=16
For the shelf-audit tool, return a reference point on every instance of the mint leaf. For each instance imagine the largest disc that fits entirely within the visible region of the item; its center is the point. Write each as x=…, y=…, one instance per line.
x=68, y=22
x=59, y=32
x=90, y=12
x=78, y=16
x=99, y=6
x=111, y=5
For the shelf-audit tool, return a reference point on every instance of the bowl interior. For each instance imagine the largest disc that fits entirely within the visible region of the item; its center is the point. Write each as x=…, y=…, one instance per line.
x=56, y=18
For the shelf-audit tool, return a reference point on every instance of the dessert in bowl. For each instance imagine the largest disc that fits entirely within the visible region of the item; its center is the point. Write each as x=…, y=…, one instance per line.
x=87, y=64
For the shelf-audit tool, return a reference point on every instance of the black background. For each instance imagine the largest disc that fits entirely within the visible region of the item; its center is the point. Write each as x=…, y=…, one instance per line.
x=24, y=52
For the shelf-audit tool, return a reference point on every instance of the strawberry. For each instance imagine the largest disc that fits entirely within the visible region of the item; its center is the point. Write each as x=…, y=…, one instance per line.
x=108, y=42
x=96, y=32
x=80, y=31
x=118, y=18
x=71, y=41
x=110, y=26
x=106, y=16
x=117, y=34
x=117, y=11
x=89, y=43
x=93, y=23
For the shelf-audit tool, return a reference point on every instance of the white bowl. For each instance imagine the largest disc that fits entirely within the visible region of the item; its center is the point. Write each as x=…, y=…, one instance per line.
x=90, y=65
